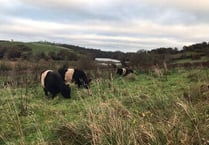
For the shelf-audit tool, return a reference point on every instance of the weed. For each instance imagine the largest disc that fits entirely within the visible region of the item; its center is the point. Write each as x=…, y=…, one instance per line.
x=141, y=109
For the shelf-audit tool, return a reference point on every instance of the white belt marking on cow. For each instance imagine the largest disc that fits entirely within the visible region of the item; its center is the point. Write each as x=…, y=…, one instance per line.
x=43, y=76
x=69, y=75
x=124, y=71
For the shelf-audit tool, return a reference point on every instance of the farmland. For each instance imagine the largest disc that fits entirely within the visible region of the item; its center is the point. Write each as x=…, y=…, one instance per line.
x=157, y=104
x=142, y=108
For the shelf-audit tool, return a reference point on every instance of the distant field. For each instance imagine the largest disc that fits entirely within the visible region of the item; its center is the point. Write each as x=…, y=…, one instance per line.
x=187, y=57
x=193, y=54
x=139, y=109
x=37, y=47
x=42, y=47
x=190, y=60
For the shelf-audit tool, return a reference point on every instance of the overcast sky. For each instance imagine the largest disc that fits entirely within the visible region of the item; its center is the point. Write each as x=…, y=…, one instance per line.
x=124, y=25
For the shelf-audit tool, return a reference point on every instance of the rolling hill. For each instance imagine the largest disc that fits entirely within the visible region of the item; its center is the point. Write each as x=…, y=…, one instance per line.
x=196, y=53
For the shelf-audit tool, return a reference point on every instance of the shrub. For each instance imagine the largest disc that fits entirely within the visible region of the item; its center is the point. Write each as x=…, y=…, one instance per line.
x=2, y=52
x=131, y=77
x=13, y=54
x=86, y=63
x=5, y=66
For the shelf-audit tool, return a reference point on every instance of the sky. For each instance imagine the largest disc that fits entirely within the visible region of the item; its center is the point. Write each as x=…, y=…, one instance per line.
x=108, y=25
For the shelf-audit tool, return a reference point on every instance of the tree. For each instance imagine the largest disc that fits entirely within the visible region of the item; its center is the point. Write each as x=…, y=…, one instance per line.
x=86, y=62
x=2, y=52
x=13, y=53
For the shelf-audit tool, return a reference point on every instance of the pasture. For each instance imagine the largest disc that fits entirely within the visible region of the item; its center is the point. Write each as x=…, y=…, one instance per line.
x=142, y=108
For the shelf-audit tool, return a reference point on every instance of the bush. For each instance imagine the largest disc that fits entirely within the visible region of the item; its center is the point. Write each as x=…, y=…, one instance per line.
x=13, y=54
x=2, y=52
x=86, y=63
x=41, y=55
x=5, y=66
x=67, y=55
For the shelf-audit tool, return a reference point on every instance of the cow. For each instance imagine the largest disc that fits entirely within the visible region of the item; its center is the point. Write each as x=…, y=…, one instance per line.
x=70, y=75
x=52, y=82
x=124, y=71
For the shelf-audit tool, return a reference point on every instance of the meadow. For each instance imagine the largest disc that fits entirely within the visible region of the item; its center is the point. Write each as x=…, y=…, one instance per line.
x=142, y=108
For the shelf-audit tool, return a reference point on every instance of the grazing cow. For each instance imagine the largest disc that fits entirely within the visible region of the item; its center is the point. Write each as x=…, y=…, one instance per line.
x=53, y=83
x=124, y=71
x=77, y=76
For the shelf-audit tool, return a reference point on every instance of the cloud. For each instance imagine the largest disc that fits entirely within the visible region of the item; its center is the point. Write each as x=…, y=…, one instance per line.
x=129, y=36
x=201, y=5
x=55, y=3
x=106, y=24
x=7, y=4
x=185, y=5
x=75, y=5
x=158, y=11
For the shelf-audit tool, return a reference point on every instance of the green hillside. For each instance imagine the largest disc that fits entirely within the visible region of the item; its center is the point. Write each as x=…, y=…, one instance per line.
x=37, y=47
x=196, y=54
x=36, y=50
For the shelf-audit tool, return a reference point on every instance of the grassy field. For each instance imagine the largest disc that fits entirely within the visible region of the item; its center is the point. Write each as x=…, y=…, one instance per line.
x=37, y=47
x=44, y=47
x=136, y=110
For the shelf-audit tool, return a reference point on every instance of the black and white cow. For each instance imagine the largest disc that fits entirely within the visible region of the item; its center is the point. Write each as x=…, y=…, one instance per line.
x=124, y=71
x=53, y=83
x=70, y=75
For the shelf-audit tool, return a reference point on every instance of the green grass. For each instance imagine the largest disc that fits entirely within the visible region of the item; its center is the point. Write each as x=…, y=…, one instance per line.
x=191, y=60
x=37, y=47
x=140, y=109
x=181, y=59
x=43, y=47
x=9, y=43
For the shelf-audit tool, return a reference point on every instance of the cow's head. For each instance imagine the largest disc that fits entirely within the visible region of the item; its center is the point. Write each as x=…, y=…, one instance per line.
x=85, y=82
x=62, y=71
x=66, y=91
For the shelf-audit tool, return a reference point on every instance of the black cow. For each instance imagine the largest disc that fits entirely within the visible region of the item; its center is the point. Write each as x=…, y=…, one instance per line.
x=77, y=76
x=53, y=83
x=124, y=71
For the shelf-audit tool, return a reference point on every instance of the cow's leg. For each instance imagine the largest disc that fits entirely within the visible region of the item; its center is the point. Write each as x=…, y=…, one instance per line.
x=45, y=91
x=53, y=95
x=79, y=85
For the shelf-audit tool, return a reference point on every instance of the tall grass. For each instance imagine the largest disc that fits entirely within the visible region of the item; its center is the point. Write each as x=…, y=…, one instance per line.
x=137, y=110
x=13, y=129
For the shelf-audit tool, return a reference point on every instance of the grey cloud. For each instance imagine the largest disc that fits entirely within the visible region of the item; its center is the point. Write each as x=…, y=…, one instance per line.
x=109, y=25
x=116, y=11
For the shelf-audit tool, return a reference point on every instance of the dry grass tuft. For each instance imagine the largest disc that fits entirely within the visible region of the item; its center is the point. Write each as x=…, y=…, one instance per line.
x=131, y=77
x=196, y=93
x=75, y=135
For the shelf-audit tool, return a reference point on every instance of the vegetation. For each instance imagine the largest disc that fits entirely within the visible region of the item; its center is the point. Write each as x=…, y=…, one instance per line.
x=165, y=100
x=140, y=109
x=35, y=51
x=196, y=54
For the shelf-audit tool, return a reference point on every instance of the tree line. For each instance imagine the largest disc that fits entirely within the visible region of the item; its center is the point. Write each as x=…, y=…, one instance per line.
x=14, y=52
x=140, y=58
